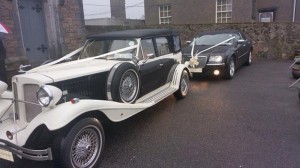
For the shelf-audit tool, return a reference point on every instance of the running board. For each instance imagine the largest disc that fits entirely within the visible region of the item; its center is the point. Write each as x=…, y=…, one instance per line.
x=157, y=95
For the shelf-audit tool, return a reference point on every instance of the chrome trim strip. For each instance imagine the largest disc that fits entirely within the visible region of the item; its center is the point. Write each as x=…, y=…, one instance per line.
x=22, y=101
x=216, y=64
x=36, y=155
x=243, y=55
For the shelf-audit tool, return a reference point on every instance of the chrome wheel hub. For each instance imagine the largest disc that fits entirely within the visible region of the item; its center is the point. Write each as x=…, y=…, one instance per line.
x=250, y=57
x=128, y=86
x=232, y=68
x=85, y=147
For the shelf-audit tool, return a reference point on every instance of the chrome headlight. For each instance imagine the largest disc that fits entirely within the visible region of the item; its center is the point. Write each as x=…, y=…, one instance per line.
x=48, y=95
x=217, y=58
x=3, y=87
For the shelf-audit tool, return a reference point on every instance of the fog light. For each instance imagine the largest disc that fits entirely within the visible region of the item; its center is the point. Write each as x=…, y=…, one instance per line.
x=216, y=72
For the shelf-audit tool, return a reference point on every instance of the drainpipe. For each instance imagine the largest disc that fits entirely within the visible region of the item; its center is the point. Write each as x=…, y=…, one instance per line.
x=294, y=11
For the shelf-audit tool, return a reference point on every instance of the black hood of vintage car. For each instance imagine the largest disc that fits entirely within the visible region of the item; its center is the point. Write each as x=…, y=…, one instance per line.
x=222, y=49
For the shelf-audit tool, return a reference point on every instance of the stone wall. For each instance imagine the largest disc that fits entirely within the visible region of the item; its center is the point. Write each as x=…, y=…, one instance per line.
x=270, y=40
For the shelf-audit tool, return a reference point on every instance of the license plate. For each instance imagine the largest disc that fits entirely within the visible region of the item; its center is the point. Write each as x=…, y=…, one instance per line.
x=196, y=70
x=6, y=155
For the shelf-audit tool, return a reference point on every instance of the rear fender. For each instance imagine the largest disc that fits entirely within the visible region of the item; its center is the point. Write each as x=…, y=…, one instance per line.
x=175, y=83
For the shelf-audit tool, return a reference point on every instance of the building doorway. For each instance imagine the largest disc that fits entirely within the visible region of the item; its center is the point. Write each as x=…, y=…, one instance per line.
x=33, y=31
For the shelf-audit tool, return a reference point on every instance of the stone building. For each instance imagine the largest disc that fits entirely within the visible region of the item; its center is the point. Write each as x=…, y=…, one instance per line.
x=220, y=11
x=42, y=30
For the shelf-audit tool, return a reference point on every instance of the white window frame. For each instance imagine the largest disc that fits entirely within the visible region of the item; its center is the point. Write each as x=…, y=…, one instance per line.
x=225, y=12
x=166, y=9
x=271, y=19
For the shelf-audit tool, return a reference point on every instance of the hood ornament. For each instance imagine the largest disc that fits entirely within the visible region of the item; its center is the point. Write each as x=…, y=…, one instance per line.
x=22, y=67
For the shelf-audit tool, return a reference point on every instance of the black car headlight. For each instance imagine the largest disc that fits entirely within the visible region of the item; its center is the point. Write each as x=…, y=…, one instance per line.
x=217, y=58
x=48, y=96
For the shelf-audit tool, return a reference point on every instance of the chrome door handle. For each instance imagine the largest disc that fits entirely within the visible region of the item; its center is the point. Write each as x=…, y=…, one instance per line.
x=161, y=65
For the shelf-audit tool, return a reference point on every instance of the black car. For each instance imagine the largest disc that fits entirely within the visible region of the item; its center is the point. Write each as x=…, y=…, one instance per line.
x=219, y=53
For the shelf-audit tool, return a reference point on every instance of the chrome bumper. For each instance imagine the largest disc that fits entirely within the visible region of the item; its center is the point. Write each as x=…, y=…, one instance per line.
x=36, y=155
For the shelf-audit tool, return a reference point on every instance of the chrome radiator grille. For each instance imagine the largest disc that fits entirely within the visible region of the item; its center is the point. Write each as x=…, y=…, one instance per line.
x=30, y=96
x=15, y=90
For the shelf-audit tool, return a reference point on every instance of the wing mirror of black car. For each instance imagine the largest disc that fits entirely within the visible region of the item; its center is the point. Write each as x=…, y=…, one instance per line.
x=188, y=42
x=241, y=41
x=149, y=56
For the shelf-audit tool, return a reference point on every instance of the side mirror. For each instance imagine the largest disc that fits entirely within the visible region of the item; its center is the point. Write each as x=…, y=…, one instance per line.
x=241, y=41
x=188, y=42
x=149, y=56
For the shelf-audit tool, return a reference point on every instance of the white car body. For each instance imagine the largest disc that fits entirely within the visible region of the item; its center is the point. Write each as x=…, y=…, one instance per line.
x=21, y=114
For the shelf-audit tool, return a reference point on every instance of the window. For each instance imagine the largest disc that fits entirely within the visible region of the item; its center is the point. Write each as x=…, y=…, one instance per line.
x=214, y=39
x=177, y=46
x=165, y=14
x=147, y=48
x=162, y=46
x=223, y=11
x=266, y=17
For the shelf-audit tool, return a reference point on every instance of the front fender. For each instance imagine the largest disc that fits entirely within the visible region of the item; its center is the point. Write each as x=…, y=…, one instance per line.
x=63, y=114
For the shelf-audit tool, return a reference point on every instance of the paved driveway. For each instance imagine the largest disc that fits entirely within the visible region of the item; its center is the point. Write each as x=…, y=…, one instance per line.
x=252, y=121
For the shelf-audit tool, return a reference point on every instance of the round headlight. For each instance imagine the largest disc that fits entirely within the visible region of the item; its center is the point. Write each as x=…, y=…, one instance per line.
x=44, y=96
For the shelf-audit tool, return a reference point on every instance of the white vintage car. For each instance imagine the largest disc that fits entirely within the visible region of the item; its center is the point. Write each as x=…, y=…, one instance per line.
x=54, y=111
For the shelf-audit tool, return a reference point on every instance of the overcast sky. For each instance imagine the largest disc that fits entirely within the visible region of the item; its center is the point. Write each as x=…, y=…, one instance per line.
x=101, y=9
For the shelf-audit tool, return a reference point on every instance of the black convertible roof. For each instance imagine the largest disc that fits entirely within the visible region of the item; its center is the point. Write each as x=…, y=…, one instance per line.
x=136, y=33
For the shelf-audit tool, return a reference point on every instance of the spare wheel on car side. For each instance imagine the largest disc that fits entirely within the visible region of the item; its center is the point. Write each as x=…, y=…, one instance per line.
x=123, y=83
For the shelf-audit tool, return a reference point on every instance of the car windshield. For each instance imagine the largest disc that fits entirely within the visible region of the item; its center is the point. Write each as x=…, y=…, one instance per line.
x=214, y=39
x=95, y=48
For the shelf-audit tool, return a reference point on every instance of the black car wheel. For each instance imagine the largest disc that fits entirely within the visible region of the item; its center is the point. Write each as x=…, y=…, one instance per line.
x=125, y=85
x=82, y=145
x=249, y=61
x=184, y=86
x=230, y=69
x=296, y=72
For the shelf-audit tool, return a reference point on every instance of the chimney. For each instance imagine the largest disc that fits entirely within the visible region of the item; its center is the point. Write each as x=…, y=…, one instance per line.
x=118, y=9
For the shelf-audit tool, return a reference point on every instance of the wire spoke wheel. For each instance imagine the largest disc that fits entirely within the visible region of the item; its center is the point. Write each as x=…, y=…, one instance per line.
x=86, y=147
x=129, y=86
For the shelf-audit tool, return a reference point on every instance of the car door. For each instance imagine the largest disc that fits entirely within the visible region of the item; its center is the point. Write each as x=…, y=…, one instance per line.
x=241, y=50
x=166, y=57
x=150, y=68
x=247, y=47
